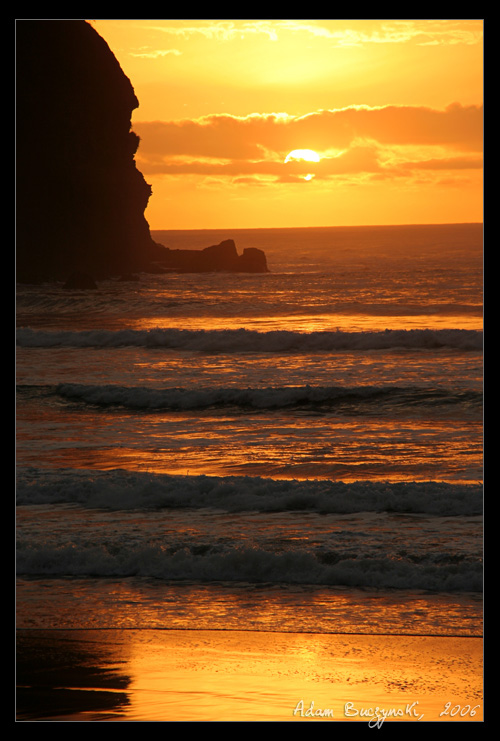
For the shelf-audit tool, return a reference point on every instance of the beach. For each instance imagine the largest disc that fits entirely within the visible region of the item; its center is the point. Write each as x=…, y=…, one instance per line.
x=220, y=676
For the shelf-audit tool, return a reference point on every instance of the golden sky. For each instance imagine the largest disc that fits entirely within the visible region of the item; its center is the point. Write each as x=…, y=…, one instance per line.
x=392, y=108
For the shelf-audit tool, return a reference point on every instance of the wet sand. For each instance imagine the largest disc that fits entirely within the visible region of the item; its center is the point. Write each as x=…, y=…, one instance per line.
x=184, y=675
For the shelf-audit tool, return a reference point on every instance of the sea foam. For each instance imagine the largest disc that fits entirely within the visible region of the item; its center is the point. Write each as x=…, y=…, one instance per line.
x=125, y=490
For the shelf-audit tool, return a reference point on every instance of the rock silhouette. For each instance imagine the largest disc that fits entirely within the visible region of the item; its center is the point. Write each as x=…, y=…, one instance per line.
x=80, y=199
x=221, y=257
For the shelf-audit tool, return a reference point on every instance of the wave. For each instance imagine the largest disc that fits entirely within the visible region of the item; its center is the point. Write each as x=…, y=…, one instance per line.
x=273, y=302
x=341, y=399
x=104, y=553
x=222, y=563
x=245, y=340
x=124, y=490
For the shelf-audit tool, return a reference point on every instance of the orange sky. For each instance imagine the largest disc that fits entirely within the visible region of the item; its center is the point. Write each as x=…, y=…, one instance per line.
x=392, y=107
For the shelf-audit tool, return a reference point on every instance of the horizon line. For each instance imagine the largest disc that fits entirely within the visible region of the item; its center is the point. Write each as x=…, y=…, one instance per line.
x=316, y=226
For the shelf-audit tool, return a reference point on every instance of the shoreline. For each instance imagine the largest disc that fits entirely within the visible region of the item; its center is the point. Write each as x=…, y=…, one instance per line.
x=216, y=675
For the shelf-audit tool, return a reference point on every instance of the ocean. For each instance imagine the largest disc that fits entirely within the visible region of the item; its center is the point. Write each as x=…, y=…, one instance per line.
x=292, y=452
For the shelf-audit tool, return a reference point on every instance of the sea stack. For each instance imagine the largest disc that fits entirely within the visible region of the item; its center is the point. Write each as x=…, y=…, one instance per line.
x=222, y=257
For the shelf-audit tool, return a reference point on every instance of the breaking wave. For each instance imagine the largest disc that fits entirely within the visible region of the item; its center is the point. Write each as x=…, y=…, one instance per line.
x=253, y=565
x=348, y=399
x=245, y=340
x=124, y=490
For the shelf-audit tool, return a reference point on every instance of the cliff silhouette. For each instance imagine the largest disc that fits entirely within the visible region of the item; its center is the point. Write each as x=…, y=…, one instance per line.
x=80, y=199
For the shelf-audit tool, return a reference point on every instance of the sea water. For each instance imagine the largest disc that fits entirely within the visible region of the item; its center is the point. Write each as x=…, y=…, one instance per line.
x=295, y=451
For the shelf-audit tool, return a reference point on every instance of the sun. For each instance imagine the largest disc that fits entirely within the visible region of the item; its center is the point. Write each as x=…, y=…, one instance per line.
x=309, y=155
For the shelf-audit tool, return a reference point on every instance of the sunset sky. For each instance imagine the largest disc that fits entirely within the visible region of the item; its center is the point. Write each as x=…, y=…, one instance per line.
x=392, y=109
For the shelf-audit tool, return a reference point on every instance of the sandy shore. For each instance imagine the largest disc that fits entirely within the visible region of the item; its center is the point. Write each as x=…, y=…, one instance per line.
x=180, y=676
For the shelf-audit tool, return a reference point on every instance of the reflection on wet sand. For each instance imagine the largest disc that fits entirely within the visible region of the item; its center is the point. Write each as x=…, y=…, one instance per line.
x=246, y=676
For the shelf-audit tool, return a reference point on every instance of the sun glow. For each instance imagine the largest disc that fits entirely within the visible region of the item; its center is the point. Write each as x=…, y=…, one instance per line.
x=309, y=155
x=216, y=149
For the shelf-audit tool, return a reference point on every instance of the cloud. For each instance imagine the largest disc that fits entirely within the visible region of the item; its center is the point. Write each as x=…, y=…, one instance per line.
x=222, y=30
x=335, y=32
x=353, y=139
x=446, y=163
x=393, y=32
x=155, y=53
